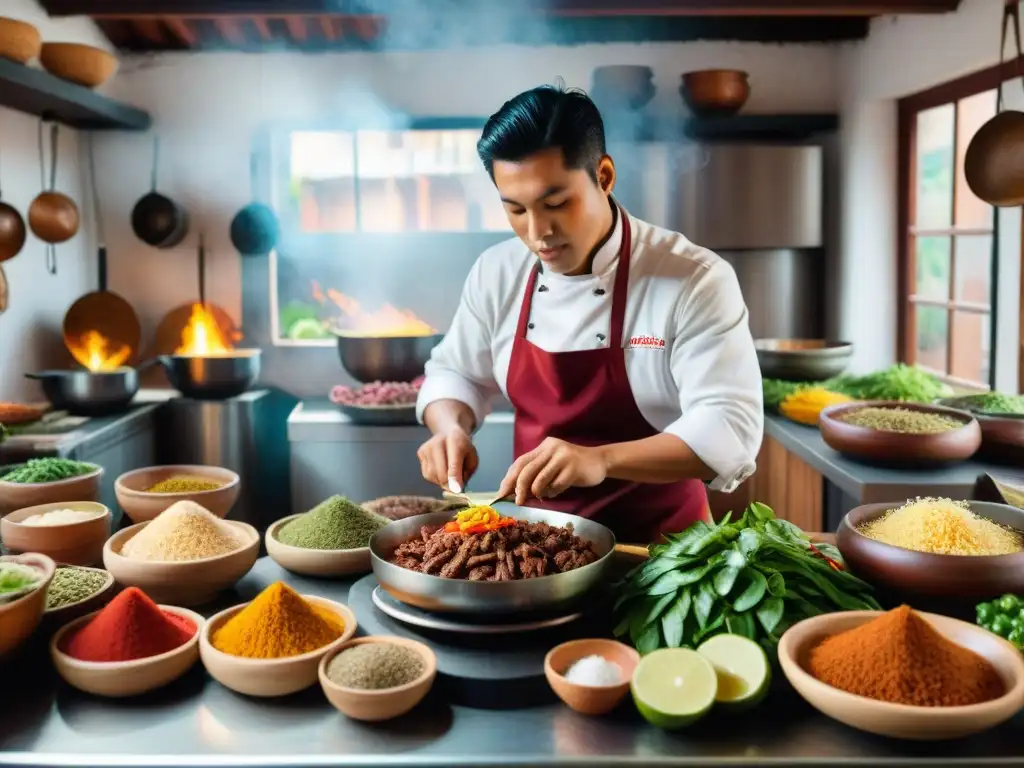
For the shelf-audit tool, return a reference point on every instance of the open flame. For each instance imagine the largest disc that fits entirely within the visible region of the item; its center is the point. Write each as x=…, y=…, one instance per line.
x=98, y=353
x=202, y=336
x=386, y=321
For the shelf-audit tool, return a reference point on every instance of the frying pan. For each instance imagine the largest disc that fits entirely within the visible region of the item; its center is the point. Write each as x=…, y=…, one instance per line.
x=255, y=229
x=12, y=231
x=101, y=311
x=156, y=219
x=52, y=216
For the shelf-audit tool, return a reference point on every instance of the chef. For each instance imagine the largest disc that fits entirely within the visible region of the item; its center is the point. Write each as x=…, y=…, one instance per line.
x=624, y=348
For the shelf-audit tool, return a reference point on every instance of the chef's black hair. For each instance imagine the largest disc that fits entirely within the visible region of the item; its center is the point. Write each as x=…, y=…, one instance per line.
x=547, y=117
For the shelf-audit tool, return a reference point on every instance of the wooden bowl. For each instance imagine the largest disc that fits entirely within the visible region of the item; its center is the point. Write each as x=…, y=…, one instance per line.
x=891, y=448
x=77, y=63
x=140, y=506
x=20, y=495
x=902, y=721
x=58, y=617
x=1002, y=437
x=715, y=92
x=73, y=543
x=117, y=679
x=379, y=705
x=187, y=582
x=19, y=619
x=19, y=41
x=269, y=677
x=315, y=562
x=590, y=699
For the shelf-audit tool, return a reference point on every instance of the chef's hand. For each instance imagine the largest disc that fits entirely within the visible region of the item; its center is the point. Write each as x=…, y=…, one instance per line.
x=551, y=468
x=449, y=459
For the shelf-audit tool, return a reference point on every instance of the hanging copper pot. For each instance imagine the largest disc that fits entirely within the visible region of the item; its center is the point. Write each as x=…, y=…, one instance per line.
x=12, y=231
x=53, y=217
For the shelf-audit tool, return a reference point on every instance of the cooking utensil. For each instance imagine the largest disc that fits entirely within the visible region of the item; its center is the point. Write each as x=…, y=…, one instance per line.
x=157, y=220
x=802, y=359
x=385, y=358
x=994, y=161
x=12, y=228
x=212, y=378
x=432, y=593
x=715, y=92
x=102, y=312
x=90, y=393
x=53, y=217
x=3, y=291
x=255, y=229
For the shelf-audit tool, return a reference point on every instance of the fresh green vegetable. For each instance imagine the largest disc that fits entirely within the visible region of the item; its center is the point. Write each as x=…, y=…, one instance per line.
x=993, y=403
x=753, y=577
x=898, y=382
x=47, y=470
x=1003, y=616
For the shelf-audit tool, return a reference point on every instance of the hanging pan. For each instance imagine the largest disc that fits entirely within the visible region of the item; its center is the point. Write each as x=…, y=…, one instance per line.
x=255, y=229
x=53, y=216
x=156, y=219
x=12, y=231
x=104, y=316
x=994, y=162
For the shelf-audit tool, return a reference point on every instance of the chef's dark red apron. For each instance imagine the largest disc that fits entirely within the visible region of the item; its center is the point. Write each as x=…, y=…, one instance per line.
x=584, y=397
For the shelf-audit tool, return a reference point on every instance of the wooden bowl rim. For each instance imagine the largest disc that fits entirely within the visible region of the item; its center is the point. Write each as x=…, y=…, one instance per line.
x=123, y=537
x=829, y=418
x=106, y=586
x=425, y=651
x=197, y=470
x=96, y=473
x=275, y=527
x=573, y=644
x=105, y=515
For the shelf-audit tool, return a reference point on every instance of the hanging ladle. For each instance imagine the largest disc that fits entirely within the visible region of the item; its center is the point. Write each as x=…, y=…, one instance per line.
x=12, y=231
x=53, y=217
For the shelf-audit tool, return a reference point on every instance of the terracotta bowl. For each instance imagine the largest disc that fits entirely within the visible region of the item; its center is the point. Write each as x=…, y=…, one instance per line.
x=19, y=619
x=126, y=678
x=715, y=92
x=74, y=543
x=77, y=63
x=15, y=496
x=140, y=506
x=891, y=448
x=590, y=699
x=376, y=706
x=19, y=41
x=899, y=720
x=269, y=677
x=58, y=617
x=189, y=582
x=1002, y=438
x=315, y=562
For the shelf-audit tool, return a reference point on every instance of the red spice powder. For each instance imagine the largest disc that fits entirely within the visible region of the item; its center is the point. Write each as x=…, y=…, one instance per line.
x=131, y=627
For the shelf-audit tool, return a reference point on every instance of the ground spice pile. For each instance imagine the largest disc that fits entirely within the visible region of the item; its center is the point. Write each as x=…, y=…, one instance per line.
x=276, y=624
x=17, y=580
x=72, y=585
x=131, y=627
x=184, y=484
x=902, y=420
x=900, y=658
x=183, y=531
x=375, y=666
x=336, y=523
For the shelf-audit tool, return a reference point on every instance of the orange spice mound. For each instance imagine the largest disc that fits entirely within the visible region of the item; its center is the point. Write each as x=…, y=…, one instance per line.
x=902, y=659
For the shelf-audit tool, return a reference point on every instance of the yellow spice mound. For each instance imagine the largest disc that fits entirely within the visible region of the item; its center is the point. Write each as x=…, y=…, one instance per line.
x=184, y=531
x=942, y=527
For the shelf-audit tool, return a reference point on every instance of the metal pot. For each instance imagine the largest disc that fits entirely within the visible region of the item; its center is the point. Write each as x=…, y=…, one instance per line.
x=90, y=393
x=215, y=377
x=156, y=219
x=386, y=358
x=802, y=359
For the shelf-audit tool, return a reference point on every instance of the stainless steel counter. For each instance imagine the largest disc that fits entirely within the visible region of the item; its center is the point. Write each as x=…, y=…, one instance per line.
x=195, y=721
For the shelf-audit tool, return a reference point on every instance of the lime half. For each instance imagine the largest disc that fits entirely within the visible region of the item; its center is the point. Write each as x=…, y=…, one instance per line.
x=674, y=687
x=744, y=673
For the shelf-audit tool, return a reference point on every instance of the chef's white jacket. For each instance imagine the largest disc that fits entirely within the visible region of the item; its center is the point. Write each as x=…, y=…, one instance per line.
x=690, y=358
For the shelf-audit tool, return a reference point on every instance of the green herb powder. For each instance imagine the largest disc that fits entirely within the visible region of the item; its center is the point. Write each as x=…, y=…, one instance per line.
x=72, y=585
x=16, y=580
x=375, y=666
x=336, y=523
x=47, y=470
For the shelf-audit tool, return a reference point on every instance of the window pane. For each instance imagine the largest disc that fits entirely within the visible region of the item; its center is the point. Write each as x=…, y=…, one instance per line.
x=971, y=346
x=974, y=269
x=932, y=330
x=932, y=267
x=972, y=113
x=935, y=168
x=322, y=181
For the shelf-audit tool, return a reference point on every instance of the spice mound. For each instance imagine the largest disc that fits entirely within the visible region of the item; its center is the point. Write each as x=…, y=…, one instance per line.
x=805, y=405
x=184, y=484
x=375, y=666
x=594, y=671
x=942, y=527
x=61, y=517
x=902, y=659
x=17, y=580
x=336, y=523
x=183, y=531
x=47, y=470
x=902, y=421
x=278, y=623
x=131, y=627
x=71, y=584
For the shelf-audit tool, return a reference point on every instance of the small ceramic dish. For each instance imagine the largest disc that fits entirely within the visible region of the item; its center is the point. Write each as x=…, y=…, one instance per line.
x=19, y=618
x=140, y=505
x=269, y=677
x=715, y=92
x=377, y=705
x=315, y=562
x=58, y=617
x=78, y=543
x=590, y=699
x=902, y=721
x=117, y=679
x=182, y=582
x=14, y=496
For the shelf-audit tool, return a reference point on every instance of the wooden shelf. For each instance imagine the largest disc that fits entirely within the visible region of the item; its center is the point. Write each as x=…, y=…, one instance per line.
x=760, y=127
x=36, y=92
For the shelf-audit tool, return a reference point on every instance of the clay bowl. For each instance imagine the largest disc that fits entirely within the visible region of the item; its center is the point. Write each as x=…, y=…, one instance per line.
x=590, y=699
x=19, y=618
x=315, y=562
x=19, y=41
x=74, y=543
x=269, y=677
x=58, y=617
x=118, y=679
x=15, y=496
x=715, y=92
x=77, y=63
x=140, y=506
x=874, y=446
x=900, y=720
x=188, y=582
x=379, y=705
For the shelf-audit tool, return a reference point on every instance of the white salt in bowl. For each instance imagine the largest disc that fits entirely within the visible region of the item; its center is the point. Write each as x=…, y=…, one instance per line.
x=590, y=699
x=315, y=562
